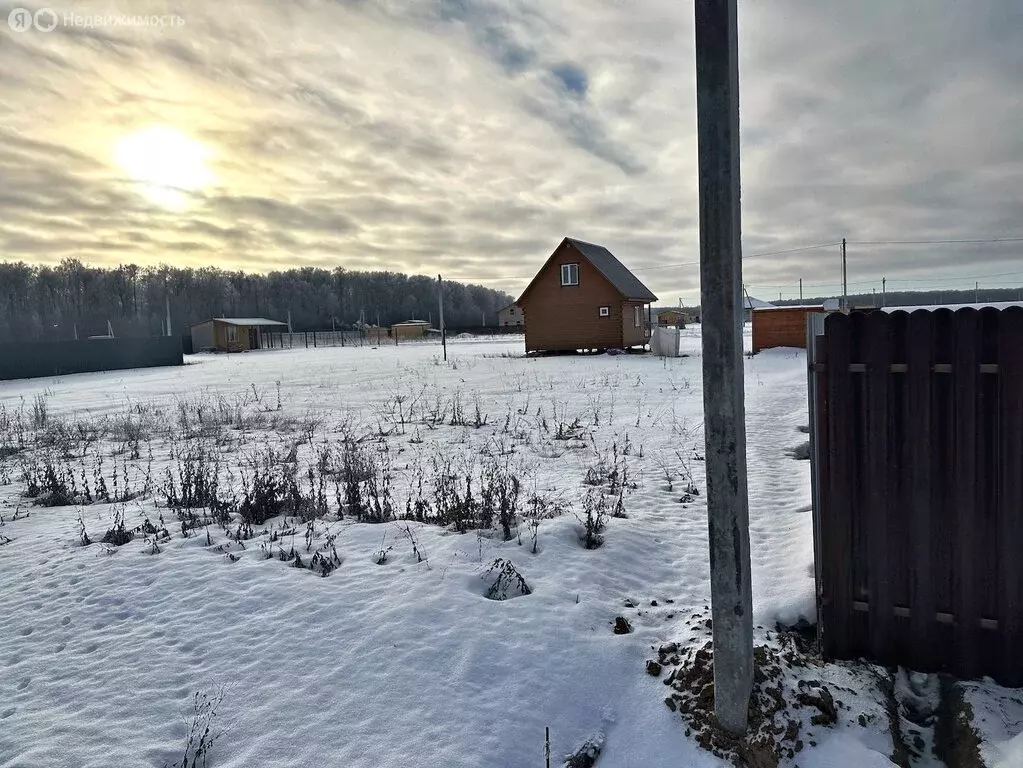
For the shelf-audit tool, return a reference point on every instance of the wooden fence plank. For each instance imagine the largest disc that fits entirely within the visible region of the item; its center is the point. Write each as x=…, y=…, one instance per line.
x=1010, y=497
x=859, y=556
x=837, y=542
x=965, y=373
x=985, y=523
x=898, y=521
x=921, y=491
x=821, y=454
x=874, y=518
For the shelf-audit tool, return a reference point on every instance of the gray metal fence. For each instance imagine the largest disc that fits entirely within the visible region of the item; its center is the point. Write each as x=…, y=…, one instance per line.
x=26, y=360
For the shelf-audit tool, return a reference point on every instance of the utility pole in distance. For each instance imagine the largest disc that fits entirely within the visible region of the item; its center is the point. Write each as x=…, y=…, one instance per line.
x=800, y=289
x=884, y=290
x=443, y=336
x=845, y=281
x=717, y=109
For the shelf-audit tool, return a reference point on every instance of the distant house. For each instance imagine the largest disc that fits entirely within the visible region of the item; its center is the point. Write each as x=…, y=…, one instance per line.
x=672, y=317
x=232, y=334
x=584, y=298
x=409, y=329
x=510, y=315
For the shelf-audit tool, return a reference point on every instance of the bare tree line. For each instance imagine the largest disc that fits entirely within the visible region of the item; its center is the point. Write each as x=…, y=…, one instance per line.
x=44, y=302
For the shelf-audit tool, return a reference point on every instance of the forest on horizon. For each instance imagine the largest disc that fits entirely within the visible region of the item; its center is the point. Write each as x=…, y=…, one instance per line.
x=52, y=303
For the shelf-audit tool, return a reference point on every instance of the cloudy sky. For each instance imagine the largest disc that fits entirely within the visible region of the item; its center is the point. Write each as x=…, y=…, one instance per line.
x=469, y=136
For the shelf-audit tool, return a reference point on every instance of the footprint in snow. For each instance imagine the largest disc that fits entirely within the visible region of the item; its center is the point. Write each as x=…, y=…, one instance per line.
x=26, y=631
x=7, y=713
x=24, y=683
x=65, y=621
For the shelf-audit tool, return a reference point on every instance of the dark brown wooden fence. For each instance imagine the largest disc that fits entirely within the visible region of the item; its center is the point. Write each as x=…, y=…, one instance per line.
x=918, y=450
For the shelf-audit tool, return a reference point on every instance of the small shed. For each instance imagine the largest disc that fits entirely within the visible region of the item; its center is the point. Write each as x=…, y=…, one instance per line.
x=672, y=318
x=232, y=334
x=511, y=315
x=409, y=329
x=781, y=326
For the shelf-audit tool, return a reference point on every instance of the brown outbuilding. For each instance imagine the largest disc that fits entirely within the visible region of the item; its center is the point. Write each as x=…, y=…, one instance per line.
x=232, y=334
x=583, y=298
x=781, y=326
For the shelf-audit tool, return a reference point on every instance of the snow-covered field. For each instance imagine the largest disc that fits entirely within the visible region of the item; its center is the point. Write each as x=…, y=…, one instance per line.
x=396, y=657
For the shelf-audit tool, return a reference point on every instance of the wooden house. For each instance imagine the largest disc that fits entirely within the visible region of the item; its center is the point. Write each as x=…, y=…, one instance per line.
x=511, y=315
x=583, y=298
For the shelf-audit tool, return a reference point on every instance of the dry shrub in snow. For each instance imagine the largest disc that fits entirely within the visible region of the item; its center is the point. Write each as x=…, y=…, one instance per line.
x=505, y=581
x=596, y=510
x=466, y=499
x=203, y=732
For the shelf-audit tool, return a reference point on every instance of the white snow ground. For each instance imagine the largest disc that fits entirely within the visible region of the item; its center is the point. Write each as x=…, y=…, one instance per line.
x=405, y=663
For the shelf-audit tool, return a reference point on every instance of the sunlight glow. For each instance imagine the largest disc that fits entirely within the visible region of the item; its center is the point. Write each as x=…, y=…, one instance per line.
x=167, y=164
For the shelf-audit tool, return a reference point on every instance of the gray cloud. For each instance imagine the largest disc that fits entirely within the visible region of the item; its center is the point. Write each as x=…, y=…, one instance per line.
x=469, y=136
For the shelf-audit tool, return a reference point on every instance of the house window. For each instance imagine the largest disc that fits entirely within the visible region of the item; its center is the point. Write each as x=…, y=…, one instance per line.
x=638, y=312
x=570, y=274
x=232, y=333
x=605, y=311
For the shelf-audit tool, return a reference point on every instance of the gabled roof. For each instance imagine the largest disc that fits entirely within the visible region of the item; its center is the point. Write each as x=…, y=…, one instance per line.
x=621, y=279
x=616, y=273
x=751, y=302
x=248, y=321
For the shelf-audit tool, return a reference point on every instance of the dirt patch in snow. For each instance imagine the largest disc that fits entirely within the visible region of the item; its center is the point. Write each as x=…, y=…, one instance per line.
x=794, y=699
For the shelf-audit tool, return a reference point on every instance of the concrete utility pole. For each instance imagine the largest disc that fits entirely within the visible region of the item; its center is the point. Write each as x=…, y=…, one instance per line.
x=440, y=296
x=166, y=299
x=845, y=281
x=289, y=322
x=976, y=292
x=717, y=108
x=884, y=290
x=800, y=289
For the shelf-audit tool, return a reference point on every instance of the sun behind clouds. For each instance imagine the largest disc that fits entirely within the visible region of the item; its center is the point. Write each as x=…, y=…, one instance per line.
x=167, y=164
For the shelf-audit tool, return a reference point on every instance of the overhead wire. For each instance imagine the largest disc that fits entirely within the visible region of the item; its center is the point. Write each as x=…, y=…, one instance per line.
x=818, y=246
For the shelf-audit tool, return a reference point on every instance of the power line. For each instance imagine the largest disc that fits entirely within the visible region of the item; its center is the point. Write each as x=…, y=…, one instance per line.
x=937, y=242
x=801, y=249
x=681, y=263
